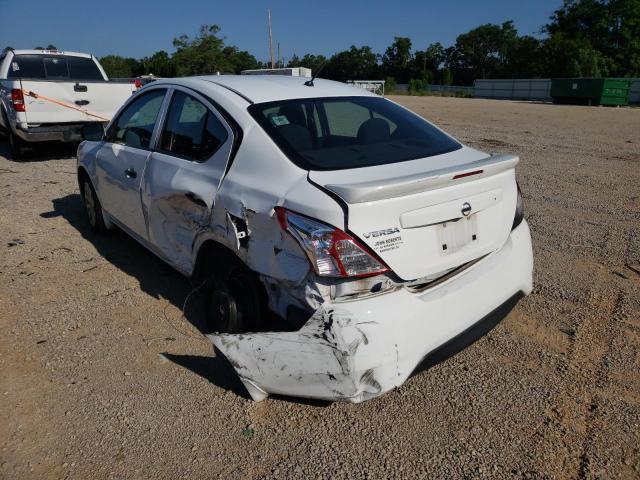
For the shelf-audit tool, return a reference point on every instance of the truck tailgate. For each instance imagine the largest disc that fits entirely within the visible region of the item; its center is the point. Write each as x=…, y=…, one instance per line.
x=99, y=98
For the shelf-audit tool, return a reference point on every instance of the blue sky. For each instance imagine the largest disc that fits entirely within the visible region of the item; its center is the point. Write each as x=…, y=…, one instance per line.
x=138, y=28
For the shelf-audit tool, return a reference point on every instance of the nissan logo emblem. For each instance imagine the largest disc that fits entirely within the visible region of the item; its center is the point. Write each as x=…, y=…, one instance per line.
x=466, y=209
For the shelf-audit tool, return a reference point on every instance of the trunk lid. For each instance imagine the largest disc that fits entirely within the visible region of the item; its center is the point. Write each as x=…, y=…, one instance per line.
x=427, y=216
x=99, y=98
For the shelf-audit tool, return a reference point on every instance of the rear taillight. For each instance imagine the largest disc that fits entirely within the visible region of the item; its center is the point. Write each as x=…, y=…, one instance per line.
x=137, y=82
x=519, y=216
x=18, y=100
x=332, y=252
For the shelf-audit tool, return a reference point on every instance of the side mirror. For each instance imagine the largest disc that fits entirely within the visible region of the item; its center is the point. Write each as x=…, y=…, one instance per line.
x=92, y=132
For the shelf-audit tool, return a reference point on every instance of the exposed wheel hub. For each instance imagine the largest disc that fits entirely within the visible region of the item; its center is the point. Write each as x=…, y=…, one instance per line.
x=235, y=303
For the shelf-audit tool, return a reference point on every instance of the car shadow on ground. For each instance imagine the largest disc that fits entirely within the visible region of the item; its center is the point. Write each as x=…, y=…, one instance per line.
x=39, y=152
x=468, y=337
x=216, y=370
x=156, y=279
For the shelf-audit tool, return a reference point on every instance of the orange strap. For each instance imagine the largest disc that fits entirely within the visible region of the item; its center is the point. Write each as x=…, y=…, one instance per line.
x=62, y=104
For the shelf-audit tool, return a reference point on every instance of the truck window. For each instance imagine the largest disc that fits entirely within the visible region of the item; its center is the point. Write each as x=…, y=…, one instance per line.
x=81, y=68
x=56, y=68
x=27, y=66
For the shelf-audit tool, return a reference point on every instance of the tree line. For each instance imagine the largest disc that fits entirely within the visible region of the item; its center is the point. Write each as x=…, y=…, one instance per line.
x=584, y=38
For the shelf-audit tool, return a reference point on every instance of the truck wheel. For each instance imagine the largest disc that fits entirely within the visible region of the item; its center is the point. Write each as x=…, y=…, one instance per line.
x=92, y=206
x=236, y=299
x=16, y=145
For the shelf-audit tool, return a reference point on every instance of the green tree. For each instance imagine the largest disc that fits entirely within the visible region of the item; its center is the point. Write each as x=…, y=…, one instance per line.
x=352, y=64
x=523, y=58
x=390, y=85
x=240, y=59
x=314, y=62
x=116, y=66
x=483, y=50
x=396, y=59
x=294, y=61
x=202, y=55
x=418, y=86
x=566, y=57
x=159, y=64
x=601, y=35
x=447, y=77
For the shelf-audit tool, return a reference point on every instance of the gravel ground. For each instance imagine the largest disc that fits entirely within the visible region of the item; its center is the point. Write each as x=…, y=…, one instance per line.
x=103, y=378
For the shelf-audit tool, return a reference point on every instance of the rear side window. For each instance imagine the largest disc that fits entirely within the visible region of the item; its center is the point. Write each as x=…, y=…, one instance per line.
x=191, y=131
x=27, y=66
x=339, y=133
x=134, y=126
x=54, y=67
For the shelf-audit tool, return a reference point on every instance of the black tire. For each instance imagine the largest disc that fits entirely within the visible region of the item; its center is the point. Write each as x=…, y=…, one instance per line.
x=16, y=145
x=236, y=300
x=92, y=206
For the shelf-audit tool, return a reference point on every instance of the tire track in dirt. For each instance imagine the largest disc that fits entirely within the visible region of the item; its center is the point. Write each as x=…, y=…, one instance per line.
x=566, y=440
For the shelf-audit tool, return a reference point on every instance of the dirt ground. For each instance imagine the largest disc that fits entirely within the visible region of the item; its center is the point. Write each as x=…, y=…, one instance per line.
x=103, y=378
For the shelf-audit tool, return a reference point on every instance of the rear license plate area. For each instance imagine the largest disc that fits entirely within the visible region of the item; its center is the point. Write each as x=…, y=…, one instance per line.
x=457, y=234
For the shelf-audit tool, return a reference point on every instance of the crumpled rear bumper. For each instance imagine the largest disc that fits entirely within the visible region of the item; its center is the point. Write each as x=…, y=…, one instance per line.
x=360, y=349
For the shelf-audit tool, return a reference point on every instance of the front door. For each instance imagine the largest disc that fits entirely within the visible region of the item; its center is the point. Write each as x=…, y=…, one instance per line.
x=122, y=159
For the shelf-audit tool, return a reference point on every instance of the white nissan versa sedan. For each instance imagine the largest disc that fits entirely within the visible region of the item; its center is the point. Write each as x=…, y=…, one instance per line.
x=374, y=234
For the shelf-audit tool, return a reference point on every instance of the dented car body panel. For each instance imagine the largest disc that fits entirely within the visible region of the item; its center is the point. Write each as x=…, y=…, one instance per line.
x=420, y=249
x=358, y=350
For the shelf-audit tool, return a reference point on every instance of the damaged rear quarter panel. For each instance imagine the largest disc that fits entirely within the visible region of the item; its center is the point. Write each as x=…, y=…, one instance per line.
x=243, y=219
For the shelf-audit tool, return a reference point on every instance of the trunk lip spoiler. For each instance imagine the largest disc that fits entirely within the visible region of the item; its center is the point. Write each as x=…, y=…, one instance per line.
x=409, y=184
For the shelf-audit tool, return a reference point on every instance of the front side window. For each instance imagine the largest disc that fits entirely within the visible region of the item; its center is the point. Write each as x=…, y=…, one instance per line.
x=134, y=126
x=349, y=132
x=191, y=131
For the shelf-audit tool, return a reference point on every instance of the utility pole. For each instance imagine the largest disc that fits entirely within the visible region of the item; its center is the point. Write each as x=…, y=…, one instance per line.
x=279, y=61
x=273, y=65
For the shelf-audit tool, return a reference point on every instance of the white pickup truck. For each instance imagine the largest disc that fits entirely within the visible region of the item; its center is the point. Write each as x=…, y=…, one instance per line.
x=49, y=95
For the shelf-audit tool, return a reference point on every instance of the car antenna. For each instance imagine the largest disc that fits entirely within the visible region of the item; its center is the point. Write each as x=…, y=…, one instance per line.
x=309, y=83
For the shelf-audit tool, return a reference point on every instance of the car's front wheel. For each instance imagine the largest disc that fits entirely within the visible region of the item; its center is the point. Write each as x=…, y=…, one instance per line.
x=92, y=206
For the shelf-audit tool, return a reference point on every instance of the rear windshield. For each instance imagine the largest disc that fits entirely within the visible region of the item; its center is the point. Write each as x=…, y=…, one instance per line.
x=54, y=67
x=349, y=132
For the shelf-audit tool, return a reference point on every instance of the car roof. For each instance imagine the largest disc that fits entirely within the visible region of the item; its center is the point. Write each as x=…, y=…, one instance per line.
x=268, y=88
x=50, y=52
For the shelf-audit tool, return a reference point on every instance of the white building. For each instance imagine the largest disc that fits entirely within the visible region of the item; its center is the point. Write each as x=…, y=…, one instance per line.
x=288, y=72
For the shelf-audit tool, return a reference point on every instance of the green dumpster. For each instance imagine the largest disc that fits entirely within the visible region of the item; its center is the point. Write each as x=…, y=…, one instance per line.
x=591, y=91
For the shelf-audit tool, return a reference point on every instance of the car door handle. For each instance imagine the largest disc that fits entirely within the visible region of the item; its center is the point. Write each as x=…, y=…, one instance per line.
x=130, y=173
x=195, y=199
x=79, y=88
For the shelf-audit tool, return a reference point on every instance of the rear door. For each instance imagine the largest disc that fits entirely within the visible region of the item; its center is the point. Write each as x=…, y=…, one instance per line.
x=123, y=156
x=184, y=174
